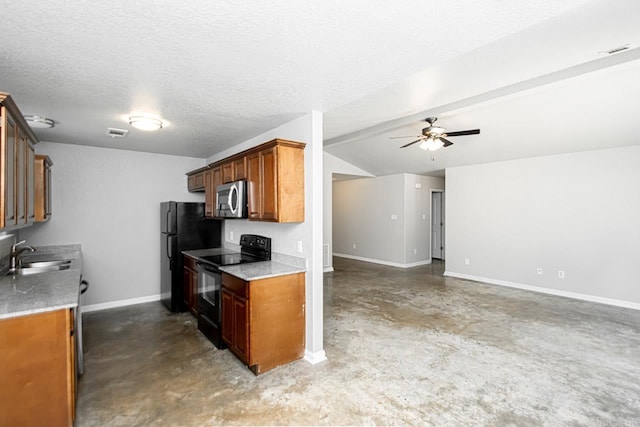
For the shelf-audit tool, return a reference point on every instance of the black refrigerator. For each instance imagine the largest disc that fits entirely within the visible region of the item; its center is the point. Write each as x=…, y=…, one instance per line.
x=183, y=227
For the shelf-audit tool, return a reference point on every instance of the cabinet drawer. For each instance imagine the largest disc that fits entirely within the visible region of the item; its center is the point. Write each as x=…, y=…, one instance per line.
x=235, y=285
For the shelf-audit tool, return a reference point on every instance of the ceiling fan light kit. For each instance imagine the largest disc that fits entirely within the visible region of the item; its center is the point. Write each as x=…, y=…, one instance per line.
x=434, y=137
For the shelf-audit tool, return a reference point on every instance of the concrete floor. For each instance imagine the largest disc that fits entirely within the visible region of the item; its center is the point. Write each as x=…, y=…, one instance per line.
x=404, y=347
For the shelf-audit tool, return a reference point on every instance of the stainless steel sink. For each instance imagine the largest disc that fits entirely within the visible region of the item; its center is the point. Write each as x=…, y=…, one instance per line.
x=39, y=264
x=22, y=271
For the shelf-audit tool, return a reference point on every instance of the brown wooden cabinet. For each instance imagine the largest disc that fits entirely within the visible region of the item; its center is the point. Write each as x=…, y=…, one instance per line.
x=239, y=168
x=196, y=180
x=263, y=320
x=209, y=194
x=42, y=188
x=190, y=284
x=38, y=369
x=274, y=172
x=276, y=182
x=212, y=181
x=227, y=172
x=16, y=166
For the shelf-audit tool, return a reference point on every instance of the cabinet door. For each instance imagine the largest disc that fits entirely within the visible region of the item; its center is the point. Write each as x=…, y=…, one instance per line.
x=240, y=169
x=31, y=187
x=21, y=174
x=241, y=332
x=269, y=175
x=48, y=190
x=194, y=292
x=209, y=194
x=253, y=185
x=227, y=317
x=186, y=287
x=9, y=171
x=227, y=172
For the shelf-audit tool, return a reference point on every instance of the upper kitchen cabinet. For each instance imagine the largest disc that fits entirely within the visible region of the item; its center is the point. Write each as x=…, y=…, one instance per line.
x=275, y=174
x=42, y=188
x=196, y=180
x=17, y=180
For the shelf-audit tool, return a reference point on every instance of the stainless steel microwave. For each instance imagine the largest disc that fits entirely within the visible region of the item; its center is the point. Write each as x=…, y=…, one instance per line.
x=231, y=200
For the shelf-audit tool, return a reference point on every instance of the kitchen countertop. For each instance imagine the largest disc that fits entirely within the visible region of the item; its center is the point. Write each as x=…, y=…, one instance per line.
x=260, y=270
x=248, y=271
x=37, y=293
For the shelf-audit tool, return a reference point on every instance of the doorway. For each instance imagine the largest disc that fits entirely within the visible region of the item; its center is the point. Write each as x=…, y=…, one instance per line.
x=437, y=224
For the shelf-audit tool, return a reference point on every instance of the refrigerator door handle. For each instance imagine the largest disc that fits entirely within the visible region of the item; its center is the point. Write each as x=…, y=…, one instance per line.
x=167, y=223
x=169, y=247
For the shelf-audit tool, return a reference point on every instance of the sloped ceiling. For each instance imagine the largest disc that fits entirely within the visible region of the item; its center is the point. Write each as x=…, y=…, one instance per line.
x=223, y=72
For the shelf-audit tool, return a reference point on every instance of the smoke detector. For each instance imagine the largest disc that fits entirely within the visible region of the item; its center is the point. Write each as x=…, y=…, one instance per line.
x=117, y=133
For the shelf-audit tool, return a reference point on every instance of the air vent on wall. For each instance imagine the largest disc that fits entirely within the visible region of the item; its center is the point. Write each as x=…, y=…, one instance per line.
x=615, y=50
x=117, y=133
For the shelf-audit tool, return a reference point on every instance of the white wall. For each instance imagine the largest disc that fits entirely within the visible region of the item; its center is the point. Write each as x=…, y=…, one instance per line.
x=333, y=165
x=579, y=213
x=307, y=129
x=363, y=212
x=109, y=201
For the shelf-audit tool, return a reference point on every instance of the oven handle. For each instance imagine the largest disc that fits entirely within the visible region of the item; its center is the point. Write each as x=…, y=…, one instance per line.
x=207, y=267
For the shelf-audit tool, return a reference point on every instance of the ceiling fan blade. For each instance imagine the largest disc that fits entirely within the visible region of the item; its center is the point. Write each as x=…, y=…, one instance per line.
x=398, y=137
x=464, y=132
x=411, y=143
x=446, y=142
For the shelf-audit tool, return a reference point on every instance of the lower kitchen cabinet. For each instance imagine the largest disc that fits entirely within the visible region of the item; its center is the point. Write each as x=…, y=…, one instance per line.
x=190, y=284
x=38, y=369
x=263, y=321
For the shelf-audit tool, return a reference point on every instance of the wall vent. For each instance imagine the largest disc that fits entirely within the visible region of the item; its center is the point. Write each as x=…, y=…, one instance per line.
x=117, y=133
x=615, y=50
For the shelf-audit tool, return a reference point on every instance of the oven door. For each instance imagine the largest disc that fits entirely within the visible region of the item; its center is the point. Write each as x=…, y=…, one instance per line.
x=209, y=285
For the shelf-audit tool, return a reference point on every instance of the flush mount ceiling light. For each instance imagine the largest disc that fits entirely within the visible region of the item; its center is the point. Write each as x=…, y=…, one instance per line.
x=145, y=122
x=39, y=122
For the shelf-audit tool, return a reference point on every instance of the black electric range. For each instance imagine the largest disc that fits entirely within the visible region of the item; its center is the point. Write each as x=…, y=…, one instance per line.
x=253, y=248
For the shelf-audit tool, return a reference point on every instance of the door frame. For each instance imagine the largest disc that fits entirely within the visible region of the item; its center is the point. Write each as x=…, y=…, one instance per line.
x=431, y=191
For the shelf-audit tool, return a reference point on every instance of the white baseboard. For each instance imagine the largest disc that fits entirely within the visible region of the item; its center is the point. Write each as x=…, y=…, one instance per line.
x=315, y=357
x=120, y=303
x=383, y=262
x=327, y=270
x=574, y=295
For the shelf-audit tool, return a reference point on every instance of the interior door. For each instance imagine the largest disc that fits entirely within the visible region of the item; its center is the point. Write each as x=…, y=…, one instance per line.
x=437, y=246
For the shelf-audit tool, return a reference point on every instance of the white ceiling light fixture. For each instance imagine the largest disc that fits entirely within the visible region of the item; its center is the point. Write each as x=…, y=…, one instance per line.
x=39, y=122
x=145, y=122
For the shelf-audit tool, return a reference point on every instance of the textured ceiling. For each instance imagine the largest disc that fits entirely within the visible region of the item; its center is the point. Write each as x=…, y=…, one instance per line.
x=222, y=72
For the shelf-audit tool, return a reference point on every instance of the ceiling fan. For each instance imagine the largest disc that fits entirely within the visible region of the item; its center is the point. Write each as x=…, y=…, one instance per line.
x=434, y=137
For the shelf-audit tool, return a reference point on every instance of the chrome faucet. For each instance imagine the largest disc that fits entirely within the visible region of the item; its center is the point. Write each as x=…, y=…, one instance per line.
x=15, y=253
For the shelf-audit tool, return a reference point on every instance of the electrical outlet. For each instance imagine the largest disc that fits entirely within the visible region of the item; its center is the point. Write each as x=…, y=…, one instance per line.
x=415, y=251
x=231, y=236
x=466, y=261
x=560, y=274
x=299, y=246
x=424, y=217
x=394, y=216
x=539, y=271
x=354, y=246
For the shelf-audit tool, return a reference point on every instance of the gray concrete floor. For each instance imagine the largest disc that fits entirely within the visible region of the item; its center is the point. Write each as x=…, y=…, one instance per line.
x=404, y=347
